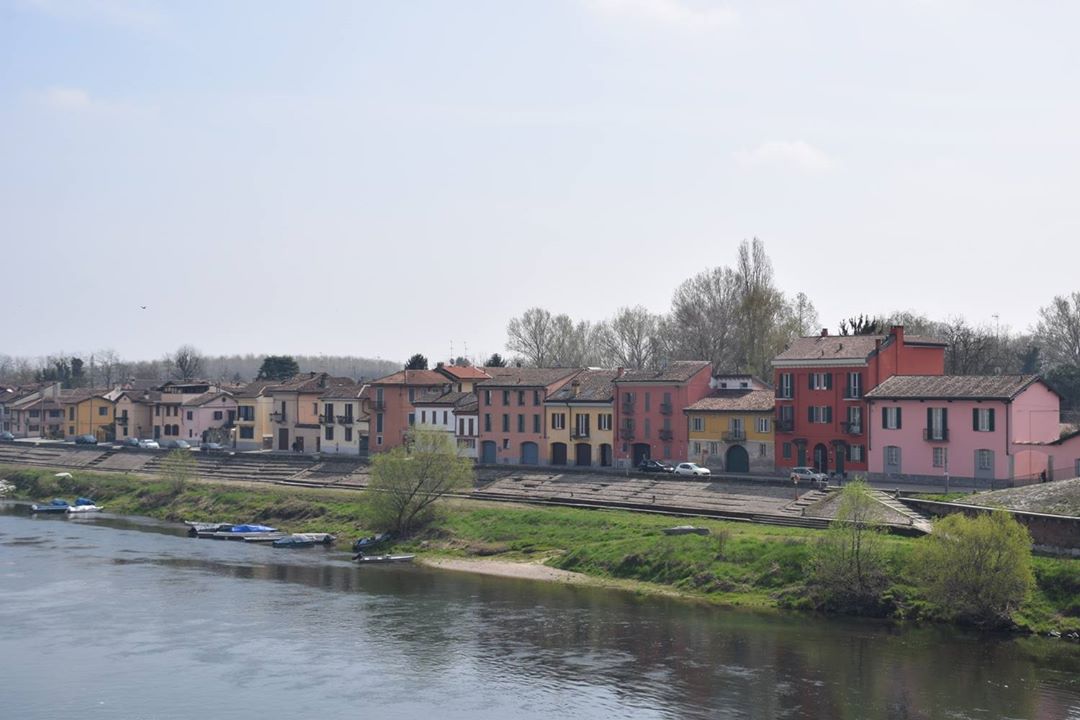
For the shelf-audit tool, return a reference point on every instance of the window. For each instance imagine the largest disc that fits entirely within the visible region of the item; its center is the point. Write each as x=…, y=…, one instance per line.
x=762, y=450
x=471, y=426
x=821, y=414
x=854, y=385
x=603, y=421
x=247, y=433
x=487, y=422
x=217, y=415
x=506, y=422
x=648, y=397
x=667, y=452
x=157, y=410
x=820, y=381
x=854, y=419
x=736, y=427
x=521, y=397
x=412, y=394
x=521, y=423
x=648, y=429
x=695, y=448
x=412, y=419
x=348, y=434
x=891, y=418
x=423, y=417
x=985, y=459
x=71, y=429
x=329, y=432
x=34, y=413
x=937, y=424
x=558, y=421
x=940, y=457
x=378, y=439
x=714, y=448
x=445, y=418
x=378, y=422
x=487, y=397
x=982, y=419
x=506, y=397
x=537, y=423
x=786, y=386
x=536, y=398
x=763, y=425
x=855, y=453
x=71, y=413
x=581, y=425
x=697, y=424
x=506, y=443
x=787, y=451
x=892, y=455
x=103, y=411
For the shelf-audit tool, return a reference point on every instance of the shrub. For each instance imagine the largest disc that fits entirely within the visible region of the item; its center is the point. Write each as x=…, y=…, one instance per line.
x=976, y=569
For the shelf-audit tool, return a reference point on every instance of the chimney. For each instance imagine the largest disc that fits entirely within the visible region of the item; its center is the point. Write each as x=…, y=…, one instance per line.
x=619, y=372
x=897, y=331
x=824, y=332
x=575, y=387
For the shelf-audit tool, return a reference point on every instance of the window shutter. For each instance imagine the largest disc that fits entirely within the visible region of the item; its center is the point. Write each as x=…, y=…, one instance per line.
x=975, y=419
x=929, y=418
x=945, y=418
x=884, y=418
x=828, y=381
x=810, y=414
x=898, y=418
x=828, y=409
x=810, y=377
x=991, y=419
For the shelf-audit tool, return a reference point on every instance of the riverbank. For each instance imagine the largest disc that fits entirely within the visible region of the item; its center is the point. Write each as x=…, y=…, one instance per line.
x=736, y=564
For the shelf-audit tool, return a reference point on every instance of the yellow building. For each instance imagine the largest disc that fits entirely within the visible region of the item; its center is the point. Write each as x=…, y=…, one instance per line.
x=254, y=403
x=88, y=412
x=732, y=431
x=579, y=418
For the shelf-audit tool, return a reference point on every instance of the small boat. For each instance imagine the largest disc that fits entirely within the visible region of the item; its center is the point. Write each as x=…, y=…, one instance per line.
x=293, y=541
x=373, y=559
x=194, y=528
x=56, y=506
x=84, y=505
x=369, y=542
x=264, y=537
x=239, y=532
x=686, y=530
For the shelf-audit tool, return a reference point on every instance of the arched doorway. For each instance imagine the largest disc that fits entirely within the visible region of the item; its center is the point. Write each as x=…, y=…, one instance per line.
x=583, y=455
x=737, y=460
x=641, y=451
x=487, y=452
x=605, y=455
x=558, y=453
x=821, y=458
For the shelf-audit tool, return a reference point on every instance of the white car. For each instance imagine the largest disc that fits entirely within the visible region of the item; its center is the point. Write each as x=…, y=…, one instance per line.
x=808, y=475
x=149, y=445
x=691, y=469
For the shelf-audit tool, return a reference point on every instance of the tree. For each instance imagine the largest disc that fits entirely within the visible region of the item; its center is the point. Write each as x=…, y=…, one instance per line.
x=531, y=335
x=802, y=316
x=849, y=573
x=702, y=323
x=407, y=481
x=971, y=350
x=976, y=569
x=416, y=362
x=496, y=360
x=186, y=362
x=178, y=469
x=1066, y=380
x=278, y=367
x=630, y=338
x=862, y=325
x=1058, y=330
x=760, y=311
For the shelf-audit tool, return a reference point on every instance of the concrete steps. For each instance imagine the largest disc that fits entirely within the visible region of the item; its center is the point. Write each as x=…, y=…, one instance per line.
x=918, y=520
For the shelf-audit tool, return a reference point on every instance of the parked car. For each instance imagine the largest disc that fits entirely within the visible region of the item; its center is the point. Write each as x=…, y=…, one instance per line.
x=6, y=437
x=131, y=442
x=149, y=445
x=654, y=466
x=85, y=440
x=692, y=469
x=212, y=447
x=808, y=475
x=176, y=445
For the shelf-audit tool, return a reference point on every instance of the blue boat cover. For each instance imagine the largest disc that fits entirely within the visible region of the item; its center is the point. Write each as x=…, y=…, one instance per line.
x=59, y=502
x=83, y=501
x=251, y=529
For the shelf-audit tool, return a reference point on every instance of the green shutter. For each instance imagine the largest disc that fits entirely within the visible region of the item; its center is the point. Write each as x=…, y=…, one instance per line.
x=975, y=419
x=828, y=381
x=898, y=417
x=884, y=418
x=991, y=419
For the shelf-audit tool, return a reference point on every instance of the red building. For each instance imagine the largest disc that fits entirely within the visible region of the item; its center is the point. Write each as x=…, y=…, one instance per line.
x=649, y=404
x=511, y=413
x=392, y=410
x=821, y=381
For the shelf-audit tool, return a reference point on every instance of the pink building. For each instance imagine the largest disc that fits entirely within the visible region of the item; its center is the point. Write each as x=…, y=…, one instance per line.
x=649, y=405
x=392, y=404
x=984, y=429
x=511, y=413
x=204, y=413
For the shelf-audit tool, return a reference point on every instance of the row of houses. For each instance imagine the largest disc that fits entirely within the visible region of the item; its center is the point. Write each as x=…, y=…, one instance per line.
x=879, y=405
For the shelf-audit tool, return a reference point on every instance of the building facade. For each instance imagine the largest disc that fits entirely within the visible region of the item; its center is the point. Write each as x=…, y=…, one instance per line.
x=732, y=431
x=510, y=408
x=580, y=420
x=392, y=404
x=254, y=403
x=649, y=405
x=343, y=418
x=296, y=410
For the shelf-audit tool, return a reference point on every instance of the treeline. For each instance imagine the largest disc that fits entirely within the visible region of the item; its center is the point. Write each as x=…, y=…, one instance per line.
x=738, y=319
x=105, y=368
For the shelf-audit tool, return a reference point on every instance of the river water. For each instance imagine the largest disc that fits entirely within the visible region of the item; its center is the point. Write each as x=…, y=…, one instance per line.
x=128, y=618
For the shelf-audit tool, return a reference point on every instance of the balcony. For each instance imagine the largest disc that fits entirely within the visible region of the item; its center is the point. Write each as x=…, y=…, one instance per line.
x=626, y=433
x=277, y=417
x=122, y=420
x=852, y=428
x=935, y=434
x=666, y=435
x=378, y=404
x=579, y=434
x=734, y=436
x=665, y=408
x=785, y=425
x=345, y=419
x=627, y=408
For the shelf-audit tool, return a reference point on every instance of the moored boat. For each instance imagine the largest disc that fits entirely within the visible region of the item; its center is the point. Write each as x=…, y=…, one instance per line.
x=84, y=505
x=293, y=541
x=371, y=541
x=374, y=559
x=56, y=505
x=686, y=530
x=238, y=532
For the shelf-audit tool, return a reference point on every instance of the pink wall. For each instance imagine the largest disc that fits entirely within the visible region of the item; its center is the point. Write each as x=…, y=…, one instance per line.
x=1036, y=415
x=682, y=396
x=202, y=418
x=508, y=444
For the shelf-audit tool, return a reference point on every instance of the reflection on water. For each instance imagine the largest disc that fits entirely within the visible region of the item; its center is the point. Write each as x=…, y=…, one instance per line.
x=124, y=617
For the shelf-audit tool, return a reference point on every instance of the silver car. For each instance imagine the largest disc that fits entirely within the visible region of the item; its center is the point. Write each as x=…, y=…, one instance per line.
x=149, y=445
x=689, y=468
x=808, y=475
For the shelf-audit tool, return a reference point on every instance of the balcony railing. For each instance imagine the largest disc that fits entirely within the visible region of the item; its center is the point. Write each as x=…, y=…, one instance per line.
x=346, y=419
x=734, y=436
x=785, y=425
x=665, y=408
x=378, y=404
x=278, y=417
x=626, y=433
x=936, y=434
x=852, y=428
x=666, y=435
x=579, y=434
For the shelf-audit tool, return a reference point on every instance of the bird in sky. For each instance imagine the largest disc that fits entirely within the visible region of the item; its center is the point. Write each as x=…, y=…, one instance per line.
x=143, y=307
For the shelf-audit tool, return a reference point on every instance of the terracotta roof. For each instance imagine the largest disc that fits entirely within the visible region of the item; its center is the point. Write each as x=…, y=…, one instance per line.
x=736, y=401
x=311, y=383
x=413, y=377
x=200, y=400
x=678, y=371
x=141, y=396
x=448, y=399
x=846, y=347
x=346, y=392
x=952, y=387
x=526, y=377
x=255, y=388
x=591, y=386
x=464, y=372
x=78, y=395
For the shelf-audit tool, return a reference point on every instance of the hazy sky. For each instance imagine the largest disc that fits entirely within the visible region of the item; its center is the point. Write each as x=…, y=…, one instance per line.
x=382, y=178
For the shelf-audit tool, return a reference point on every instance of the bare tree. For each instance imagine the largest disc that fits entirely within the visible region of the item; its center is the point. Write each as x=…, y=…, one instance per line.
x=760, y=309
x=704, y=319
x=970, y=351
x=630, y=339
x=531, y=335
x=802, y=316
x=1058, y=329
x=187, y=363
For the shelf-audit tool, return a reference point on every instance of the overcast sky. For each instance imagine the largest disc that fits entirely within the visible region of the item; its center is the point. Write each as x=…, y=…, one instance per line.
x=383, y=178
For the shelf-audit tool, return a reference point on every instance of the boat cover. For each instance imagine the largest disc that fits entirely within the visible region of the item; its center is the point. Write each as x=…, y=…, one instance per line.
x=251, y=529
x=83, y=501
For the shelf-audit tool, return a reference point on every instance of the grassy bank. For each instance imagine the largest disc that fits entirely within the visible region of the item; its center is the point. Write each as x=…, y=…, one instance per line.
x=738, y=564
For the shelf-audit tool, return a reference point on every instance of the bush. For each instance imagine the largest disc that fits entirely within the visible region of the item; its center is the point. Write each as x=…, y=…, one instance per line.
x=976, y=569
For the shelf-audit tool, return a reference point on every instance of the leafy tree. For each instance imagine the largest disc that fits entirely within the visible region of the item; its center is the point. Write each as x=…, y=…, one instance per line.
x=1058, y=330
x=862, y=325
x=407, y=481
x=849, y=571
x=178, y=469
x=496, y=360
x=186, y=363
x=416, y=362
x=976, y=569
x=278, y=367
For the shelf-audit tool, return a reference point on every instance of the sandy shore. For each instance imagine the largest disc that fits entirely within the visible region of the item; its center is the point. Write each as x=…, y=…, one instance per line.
x=502, y=568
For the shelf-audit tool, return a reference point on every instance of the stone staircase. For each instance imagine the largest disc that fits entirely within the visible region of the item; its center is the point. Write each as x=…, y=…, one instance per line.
x=917, y=520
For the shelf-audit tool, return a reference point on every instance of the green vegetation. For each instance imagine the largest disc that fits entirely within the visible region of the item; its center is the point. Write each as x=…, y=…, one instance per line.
x=178, y=469
x=738, y=564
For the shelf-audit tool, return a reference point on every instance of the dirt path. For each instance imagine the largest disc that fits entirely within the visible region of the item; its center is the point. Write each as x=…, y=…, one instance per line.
x=503, y=568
